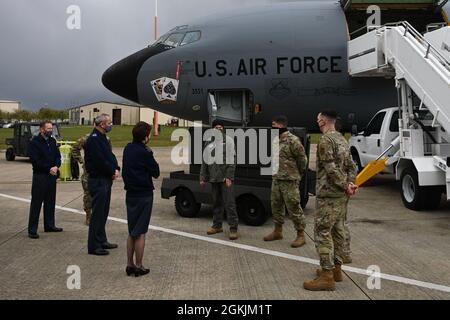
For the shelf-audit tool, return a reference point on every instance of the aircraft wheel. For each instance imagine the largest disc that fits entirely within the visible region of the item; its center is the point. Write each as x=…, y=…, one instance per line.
x=10, y=156
x=251, y=210
x=185, y=204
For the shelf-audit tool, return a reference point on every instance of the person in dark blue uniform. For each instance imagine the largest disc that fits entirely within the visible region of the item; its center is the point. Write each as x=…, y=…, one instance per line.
x=139, y=166
x=101, y=165
x=46, y=160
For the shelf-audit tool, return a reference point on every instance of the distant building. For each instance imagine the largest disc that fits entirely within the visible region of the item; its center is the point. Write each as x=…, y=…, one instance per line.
x=9, y=106
x=122, y=114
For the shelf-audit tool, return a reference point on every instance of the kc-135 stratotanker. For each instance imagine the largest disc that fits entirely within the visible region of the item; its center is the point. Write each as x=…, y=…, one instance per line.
x=358, y=57
x=250, y=64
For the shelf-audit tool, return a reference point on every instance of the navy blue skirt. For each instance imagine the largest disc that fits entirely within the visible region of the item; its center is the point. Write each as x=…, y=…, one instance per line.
x=139, y=210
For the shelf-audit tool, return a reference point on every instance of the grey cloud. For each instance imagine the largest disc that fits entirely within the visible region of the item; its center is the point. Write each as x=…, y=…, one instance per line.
x=41, y=61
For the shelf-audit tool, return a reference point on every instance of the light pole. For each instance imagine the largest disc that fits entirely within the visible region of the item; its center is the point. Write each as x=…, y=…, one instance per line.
x=155, y=113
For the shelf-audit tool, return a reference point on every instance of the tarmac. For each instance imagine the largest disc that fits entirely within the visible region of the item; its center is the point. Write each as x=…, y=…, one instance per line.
x=411, y=250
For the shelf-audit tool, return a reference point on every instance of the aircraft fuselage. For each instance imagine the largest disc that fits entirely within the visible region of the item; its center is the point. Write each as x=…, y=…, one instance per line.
x=286, y=59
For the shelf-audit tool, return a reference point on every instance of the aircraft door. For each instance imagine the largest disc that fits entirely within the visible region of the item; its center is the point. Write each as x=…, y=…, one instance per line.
x=230, y=105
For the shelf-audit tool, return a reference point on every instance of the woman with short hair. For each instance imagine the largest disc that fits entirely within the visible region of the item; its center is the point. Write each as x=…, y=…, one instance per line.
x=139, y=167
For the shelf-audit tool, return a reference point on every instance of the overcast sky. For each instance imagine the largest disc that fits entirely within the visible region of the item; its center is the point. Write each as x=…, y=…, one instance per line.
x=43, y=62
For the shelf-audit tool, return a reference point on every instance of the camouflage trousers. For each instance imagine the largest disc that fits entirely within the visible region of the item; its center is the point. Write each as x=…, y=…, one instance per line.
x=329, y=230
x=286, y=195
x=346, y=249
x=87, y=200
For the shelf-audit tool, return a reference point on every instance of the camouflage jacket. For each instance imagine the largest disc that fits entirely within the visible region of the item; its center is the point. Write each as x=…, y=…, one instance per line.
x=78, y=146
x=292, y=158
x=335, y=166
x=223, y=168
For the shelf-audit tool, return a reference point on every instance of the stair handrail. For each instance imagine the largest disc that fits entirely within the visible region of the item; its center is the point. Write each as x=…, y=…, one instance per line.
x=430, y=49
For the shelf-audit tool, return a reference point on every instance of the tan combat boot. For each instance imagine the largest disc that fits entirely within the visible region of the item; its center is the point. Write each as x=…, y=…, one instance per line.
x=277, y=233
x=88, y=217
x=337, y=273
x=347, y=259
x=213, y=230
x=233, y=235
x=299, y=241
x=325, y=282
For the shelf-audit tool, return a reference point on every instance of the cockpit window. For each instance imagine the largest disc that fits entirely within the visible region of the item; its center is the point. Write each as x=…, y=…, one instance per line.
x=191, y=37
x=162, y=38
x=174, y=39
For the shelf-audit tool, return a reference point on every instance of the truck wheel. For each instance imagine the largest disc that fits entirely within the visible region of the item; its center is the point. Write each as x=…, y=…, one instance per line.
x=251, y=210
x=412, y=194
x=185, y=204
x=10, y=156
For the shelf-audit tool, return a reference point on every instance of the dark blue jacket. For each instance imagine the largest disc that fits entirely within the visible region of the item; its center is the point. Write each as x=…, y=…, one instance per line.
x=139, y=166
x=99, y=160
x=44, y=154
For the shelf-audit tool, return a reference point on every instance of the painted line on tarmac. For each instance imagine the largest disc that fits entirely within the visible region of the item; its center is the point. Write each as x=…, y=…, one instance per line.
x=384, y=276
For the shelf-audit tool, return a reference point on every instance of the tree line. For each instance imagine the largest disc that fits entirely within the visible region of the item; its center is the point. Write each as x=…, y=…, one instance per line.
x=41, y=114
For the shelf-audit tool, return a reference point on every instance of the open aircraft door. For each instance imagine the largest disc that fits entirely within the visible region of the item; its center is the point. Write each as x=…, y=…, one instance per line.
x=230, y=105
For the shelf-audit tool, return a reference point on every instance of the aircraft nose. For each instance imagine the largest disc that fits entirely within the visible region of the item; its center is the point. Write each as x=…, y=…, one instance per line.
x=121, y=78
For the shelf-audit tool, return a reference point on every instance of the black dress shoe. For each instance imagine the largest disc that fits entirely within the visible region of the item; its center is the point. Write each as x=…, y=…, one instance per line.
x=33, y=236
x=141, y=271
x=54, y=229
x=99, y=252
x=108, y=245
x=130, y=270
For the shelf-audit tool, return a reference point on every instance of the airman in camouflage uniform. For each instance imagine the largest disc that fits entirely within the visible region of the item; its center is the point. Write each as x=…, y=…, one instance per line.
x=76, y=154
x=285, y=184
x=336, y=173
x=346, y=251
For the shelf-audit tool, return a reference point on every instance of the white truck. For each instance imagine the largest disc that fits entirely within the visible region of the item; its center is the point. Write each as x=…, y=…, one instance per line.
x=380, y=141
x=367, y=145
x=411, y=140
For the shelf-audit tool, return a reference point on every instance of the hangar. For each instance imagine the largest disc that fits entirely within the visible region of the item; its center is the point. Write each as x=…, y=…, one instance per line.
x=9, y=106
x=121, y=113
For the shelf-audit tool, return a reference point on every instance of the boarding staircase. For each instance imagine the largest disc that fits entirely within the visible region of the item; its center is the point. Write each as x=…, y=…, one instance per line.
x=421, y=63
x=399, y=50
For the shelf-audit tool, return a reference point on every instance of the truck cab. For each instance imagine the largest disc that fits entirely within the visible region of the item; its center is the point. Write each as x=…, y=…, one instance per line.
x=376, y=137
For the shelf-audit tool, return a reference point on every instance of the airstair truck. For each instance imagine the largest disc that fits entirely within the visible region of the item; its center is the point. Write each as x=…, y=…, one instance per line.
x=421, y=70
